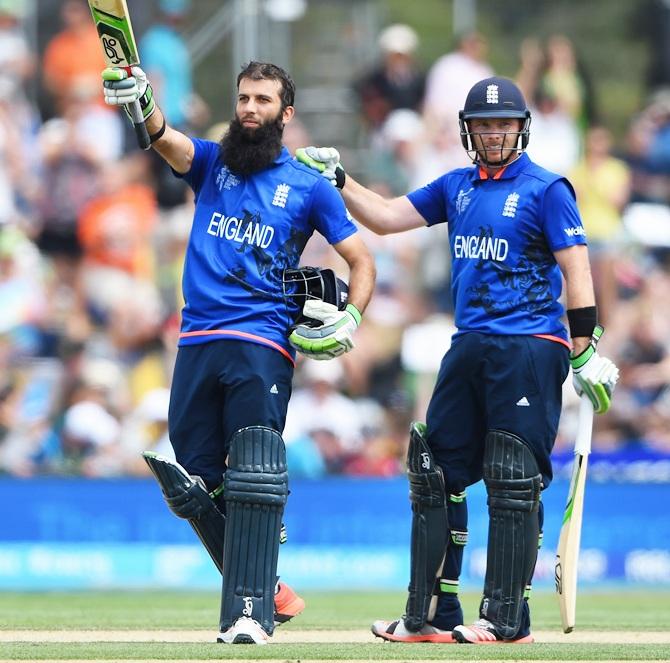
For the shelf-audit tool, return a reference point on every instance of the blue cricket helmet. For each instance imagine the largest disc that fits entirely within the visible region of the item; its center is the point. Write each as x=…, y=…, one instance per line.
x=495, y=97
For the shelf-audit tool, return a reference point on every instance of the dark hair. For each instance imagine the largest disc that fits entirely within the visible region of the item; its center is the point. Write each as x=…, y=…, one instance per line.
x=257, y=71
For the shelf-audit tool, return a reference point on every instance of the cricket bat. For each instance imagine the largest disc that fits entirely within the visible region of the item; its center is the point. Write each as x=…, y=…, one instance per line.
x=567, y=553
x=112, y=20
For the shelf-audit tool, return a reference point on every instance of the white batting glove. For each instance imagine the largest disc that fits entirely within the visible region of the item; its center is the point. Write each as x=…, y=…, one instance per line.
x=120, y=89
x=324, y=159
x=594, y=375
x=332, y=338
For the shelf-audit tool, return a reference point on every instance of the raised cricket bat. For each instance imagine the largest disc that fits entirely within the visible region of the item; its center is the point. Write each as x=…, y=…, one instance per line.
x=112, y=20
x=567, y=553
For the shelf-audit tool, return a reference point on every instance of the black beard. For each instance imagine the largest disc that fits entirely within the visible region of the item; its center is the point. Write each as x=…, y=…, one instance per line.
x=246, y=151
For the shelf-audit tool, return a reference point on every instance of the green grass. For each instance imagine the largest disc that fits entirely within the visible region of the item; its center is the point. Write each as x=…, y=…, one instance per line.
x=605, y=611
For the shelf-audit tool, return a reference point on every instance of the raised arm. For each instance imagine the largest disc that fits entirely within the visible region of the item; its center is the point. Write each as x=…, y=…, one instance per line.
x=121, y=89
x=175, y=147
x=383, y=216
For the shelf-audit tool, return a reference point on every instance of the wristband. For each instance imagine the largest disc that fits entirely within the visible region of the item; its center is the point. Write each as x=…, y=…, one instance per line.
x=159, y=134
x=582, y=321
x=340, y=177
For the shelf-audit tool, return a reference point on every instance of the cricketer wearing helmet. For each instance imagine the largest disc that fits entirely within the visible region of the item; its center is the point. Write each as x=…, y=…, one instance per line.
x=255, y=209
x=514, y=232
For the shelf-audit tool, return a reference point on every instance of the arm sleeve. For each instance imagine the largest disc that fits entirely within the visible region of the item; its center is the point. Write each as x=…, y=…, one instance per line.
x=328, y=215
x=205, y=155
x=560, y=217
x=430, y=201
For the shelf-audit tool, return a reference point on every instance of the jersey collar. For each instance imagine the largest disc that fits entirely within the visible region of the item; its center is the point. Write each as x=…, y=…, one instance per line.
x=512, y=170
x=283, y=157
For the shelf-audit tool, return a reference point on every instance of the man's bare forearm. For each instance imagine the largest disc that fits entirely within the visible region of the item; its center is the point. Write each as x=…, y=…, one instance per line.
x=175, y=147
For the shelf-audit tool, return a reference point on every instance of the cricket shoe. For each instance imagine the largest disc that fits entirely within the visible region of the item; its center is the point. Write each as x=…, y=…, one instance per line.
x=483, y=632
x=245, y=631
x=287, y=603
x=396, y=632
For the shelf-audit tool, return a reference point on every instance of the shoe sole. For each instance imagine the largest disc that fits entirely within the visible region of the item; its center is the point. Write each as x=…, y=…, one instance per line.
x=526, y=640
x=443, y=638
x=241, y=639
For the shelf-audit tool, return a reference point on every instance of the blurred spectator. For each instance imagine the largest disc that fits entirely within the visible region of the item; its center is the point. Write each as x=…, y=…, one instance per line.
x=650, y=23
x=396, y=81
x=329, y=420
x=115, y=231
x=146, y=428
x=555, y=140
x=641, y=411
x=91, y=430
x=567, y=80
x=423, y=346
x=532, y=63
x=15, y=180
x=17, y=64
x=295, y=134
x=649, y=150
x=73, y=149
x=450, y=79
x=72, y=56
x=393, y=157
x=439, y=151
x=29, y=391
x=22, y=294
x=167, y=62
x=602, y=184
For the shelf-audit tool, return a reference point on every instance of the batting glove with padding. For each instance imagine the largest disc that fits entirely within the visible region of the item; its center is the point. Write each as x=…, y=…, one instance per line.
x=324, y=159
x=330, y=339
x=121, y=89
x=594, y=375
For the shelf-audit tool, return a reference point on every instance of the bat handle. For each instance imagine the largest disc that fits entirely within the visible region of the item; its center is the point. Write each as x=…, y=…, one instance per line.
x=141, y=132
x=584, y=427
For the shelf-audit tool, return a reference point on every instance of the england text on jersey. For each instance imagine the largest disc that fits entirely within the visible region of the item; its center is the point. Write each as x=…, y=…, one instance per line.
x=480, y=247
x=240, y=230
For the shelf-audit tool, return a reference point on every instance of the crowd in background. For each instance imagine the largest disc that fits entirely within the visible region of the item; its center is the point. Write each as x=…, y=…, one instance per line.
x=92, y=235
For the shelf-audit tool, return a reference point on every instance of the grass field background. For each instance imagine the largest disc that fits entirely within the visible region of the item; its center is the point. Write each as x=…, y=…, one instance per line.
x=639, y=624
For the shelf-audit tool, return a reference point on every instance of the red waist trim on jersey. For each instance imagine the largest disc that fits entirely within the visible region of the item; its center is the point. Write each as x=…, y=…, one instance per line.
x=556, y=339
x=239, y=334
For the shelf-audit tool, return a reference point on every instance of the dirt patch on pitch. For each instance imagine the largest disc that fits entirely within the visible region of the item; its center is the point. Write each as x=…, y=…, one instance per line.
x=296, y=636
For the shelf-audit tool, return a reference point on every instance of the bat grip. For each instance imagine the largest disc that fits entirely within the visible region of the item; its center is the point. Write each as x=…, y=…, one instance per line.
x=141, y=132
x=584, y=427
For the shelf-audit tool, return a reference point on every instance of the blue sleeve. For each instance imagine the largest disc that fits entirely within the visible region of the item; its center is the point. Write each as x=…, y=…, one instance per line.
x=560, y=216
x=205, y=155
x=328, y=214
x=431, y=201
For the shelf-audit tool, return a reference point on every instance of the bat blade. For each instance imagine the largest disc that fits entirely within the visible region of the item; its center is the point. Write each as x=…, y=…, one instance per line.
x=112, y=21
x=567, y=552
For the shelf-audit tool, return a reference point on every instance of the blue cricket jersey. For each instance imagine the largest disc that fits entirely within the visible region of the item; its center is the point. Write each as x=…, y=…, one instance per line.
x=502, y=234
x=246, y=230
